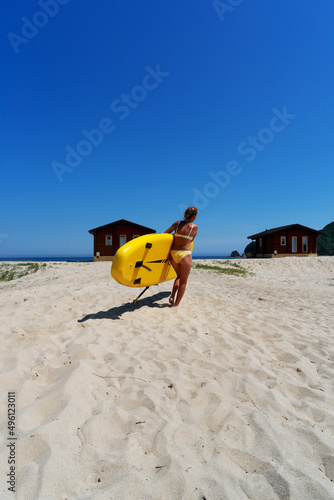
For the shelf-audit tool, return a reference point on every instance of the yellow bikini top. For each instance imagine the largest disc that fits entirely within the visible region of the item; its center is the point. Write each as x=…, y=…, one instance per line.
x=188, y=237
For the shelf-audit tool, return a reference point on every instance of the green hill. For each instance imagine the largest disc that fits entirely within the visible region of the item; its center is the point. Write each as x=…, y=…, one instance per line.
x=326, y=240
x=249, y=248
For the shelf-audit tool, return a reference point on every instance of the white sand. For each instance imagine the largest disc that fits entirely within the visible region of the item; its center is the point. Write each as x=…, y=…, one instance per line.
x=229, y=396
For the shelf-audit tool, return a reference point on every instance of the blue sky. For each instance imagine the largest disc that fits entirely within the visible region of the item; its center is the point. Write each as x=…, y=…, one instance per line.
x=136, y=109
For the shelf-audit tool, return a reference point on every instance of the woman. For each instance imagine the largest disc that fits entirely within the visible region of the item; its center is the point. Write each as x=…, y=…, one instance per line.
x=180, y=254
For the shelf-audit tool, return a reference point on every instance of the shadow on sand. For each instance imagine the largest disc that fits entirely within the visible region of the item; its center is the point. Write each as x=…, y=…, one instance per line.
x=116, y=312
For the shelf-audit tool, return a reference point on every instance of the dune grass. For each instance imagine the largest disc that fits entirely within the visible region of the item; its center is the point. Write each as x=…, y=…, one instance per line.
x=230, y=268
x=13, y=271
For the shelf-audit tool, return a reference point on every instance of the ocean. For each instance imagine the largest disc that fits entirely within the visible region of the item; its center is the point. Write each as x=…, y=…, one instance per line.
x=46, y=259
x=91, y=259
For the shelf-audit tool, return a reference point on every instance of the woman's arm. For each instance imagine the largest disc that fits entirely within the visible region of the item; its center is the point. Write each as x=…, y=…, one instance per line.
x=172, y=228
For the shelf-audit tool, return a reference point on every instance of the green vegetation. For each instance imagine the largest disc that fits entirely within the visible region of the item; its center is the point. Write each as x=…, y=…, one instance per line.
x=11, y=271
x=231, y=268
x=229, y=263
x=326, y=240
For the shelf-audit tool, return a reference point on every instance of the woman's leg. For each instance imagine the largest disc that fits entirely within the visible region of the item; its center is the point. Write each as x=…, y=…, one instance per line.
x=176, y=283
x=184, y=271
x=174, y=290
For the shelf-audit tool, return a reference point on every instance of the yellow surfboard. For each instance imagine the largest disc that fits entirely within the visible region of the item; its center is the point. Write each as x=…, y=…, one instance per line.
x=143, y=261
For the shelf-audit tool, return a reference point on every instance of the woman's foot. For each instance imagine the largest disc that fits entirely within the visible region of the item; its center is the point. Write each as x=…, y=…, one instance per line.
x=171, y=300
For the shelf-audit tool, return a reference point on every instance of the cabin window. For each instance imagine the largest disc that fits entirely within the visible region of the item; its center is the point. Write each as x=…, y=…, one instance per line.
x=108, y=240
x=294, y=244
x=260, y=242
x=122, y=240
x=305, y=249
x=283, y=240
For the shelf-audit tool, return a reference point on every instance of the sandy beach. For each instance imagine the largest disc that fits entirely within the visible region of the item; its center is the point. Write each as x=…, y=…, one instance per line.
x=229, y=396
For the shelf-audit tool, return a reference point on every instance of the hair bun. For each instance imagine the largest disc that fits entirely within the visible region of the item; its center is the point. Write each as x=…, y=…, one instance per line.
x=190, y=212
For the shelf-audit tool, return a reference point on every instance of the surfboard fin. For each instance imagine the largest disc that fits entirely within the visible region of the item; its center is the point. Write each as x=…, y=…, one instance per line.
x=135, y=300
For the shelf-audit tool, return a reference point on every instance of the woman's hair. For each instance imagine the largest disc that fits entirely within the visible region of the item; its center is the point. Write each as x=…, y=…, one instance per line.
x=190, y=212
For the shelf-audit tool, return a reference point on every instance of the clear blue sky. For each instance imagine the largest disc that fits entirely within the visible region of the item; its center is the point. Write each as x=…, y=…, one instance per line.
x=224, y=105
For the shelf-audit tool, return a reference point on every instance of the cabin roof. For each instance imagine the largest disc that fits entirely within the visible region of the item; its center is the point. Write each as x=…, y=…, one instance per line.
x=121, y=222
x=282, y=228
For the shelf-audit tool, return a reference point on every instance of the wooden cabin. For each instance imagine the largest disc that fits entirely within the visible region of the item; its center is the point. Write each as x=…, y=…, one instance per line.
x=108, y=238
x=293, y=240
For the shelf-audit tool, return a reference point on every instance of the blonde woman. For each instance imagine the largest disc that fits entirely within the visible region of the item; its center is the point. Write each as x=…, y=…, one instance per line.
x=180, y=254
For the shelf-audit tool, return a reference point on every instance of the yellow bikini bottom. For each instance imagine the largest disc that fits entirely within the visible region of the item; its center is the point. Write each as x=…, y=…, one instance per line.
x=178, y=255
